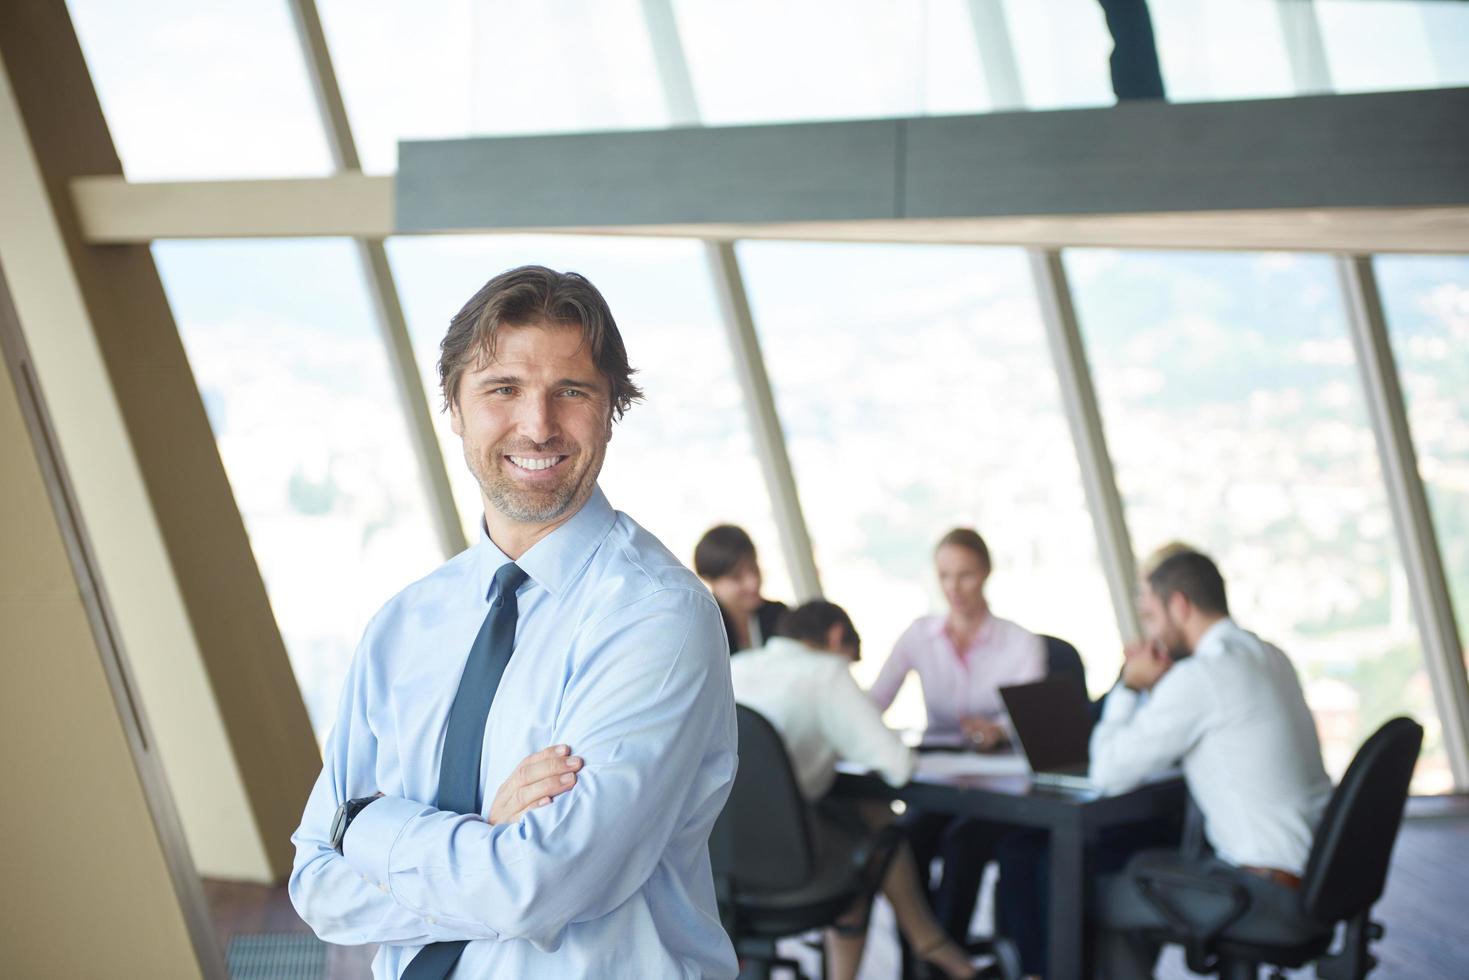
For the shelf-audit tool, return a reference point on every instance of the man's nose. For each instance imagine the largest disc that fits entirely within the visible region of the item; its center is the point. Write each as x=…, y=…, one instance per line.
x=536, y=418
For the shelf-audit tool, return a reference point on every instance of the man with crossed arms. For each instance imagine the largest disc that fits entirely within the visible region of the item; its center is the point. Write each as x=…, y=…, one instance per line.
x=567, y=625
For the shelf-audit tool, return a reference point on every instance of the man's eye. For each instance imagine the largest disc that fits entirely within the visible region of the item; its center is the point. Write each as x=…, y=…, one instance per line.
x=574, y=393
x=506, y=390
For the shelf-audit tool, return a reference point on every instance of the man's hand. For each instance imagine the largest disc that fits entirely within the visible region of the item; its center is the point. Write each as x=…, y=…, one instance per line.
x=985, y=734
x=1144, y=663
x=535, y=782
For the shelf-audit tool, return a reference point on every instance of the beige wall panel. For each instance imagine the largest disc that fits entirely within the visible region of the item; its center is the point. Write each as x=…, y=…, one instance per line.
x=87, y=888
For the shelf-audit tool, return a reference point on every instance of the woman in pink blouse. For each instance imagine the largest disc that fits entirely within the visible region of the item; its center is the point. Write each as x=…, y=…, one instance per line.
x=963, y=658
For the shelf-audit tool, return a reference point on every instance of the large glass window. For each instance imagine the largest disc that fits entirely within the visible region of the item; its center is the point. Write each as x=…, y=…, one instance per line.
x=1395, y=44
x=769, y=61
x=1222, y=49
x=1236, y=422
x=489, y=67
x=679, y=462
x=202, y=89
x=1061, y=50
x=917, y=394
x=295, y=380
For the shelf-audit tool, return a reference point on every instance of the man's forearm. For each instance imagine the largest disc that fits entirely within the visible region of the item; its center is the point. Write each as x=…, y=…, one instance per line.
x=344, y=906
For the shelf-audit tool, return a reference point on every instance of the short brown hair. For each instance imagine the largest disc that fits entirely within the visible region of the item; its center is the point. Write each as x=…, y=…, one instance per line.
x=1161, y=554
x=1196, y=576
x=721, y=550
x=967, y=538
x=528, y=295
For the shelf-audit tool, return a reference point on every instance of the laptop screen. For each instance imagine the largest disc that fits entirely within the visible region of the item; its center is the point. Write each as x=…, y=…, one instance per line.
x=1052, y=723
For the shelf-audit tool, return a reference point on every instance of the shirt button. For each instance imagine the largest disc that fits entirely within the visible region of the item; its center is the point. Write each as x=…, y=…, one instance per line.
x=433, y=921
x=383, y=887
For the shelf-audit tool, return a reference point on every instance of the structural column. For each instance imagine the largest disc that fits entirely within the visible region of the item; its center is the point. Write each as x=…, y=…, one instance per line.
x=1417, y=541
x=1114, y=545
x=739, y=325
x=372, y=257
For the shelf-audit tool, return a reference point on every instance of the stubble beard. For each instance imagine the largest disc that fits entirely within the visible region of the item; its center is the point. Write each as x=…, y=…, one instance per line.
x=524, y=505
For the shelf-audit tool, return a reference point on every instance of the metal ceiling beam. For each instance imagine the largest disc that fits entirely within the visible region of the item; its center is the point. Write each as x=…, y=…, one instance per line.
x=113, y=211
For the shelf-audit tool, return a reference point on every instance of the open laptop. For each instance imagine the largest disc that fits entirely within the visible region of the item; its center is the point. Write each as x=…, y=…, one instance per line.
x=1053, y=725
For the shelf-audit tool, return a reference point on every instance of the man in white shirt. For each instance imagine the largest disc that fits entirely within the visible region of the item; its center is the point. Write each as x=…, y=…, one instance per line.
x=804, y=689
x=800, y=682
x=1228, y=708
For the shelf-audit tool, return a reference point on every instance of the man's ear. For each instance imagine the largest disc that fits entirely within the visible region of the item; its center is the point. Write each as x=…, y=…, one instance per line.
x=1179, y=607
x=456, y=423
x=834, y=636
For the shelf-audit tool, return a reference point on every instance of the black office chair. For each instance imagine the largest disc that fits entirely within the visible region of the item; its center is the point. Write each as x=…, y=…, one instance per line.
x=774, y=878
x=1345, y=875
x=1062, y=660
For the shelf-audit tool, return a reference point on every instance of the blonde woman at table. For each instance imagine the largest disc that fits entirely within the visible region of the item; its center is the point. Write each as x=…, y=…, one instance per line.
x=800, y=683
x=963, y=657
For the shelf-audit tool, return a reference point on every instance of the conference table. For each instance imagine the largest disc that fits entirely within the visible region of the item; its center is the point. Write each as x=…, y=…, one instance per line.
x=999, y=788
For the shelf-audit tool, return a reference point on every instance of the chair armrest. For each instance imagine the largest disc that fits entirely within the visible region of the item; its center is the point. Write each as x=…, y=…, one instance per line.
x=1196, y=932
x=1157, y=885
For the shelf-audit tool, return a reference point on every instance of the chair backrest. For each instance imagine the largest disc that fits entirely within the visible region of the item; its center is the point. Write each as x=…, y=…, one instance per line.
x=1062, y=660
x=762, y=840
x=1347, y=869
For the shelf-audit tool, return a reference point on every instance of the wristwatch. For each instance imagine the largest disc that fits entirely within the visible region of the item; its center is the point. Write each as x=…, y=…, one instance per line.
x=346, y=813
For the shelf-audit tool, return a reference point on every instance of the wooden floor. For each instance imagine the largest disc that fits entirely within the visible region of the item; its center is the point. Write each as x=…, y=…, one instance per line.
x=1425, y=909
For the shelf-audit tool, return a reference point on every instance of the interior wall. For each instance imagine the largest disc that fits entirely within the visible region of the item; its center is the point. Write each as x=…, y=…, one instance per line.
x=88, y=887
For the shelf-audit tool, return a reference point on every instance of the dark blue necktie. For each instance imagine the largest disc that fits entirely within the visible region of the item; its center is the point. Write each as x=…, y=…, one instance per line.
x=464, y=739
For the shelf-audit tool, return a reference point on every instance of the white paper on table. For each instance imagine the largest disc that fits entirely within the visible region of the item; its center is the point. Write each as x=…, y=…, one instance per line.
x=937, y=766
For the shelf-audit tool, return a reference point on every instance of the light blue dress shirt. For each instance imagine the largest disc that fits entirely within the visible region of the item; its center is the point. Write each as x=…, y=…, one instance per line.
x=621, y=654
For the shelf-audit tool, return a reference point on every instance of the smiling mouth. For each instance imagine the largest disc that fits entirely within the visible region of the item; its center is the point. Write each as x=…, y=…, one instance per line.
x=534, y=464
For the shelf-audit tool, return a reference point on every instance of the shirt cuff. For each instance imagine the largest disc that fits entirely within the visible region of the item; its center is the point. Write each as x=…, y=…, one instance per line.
x=370, y=839
x=1119, y=706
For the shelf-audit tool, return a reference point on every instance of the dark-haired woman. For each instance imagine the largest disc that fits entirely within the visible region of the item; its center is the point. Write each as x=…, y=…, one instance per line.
x=725, y=560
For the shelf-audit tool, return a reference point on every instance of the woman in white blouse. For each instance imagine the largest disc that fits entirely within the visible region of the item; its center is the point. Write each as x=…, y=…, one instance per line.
x=800, y=683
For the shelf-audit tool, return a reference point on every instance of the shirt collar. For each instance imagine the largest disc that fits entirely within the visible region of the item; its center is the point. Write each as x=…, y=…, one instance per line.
x=554, y=561
x=938, y=624
x=1212, y=642
x=784, y=644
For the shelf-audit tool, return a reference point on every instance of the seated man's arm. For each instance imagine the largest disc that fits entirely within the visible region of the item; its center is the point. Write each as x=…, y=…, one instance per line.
x=1132, y=743
x=650, y=710
x=853, y=726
